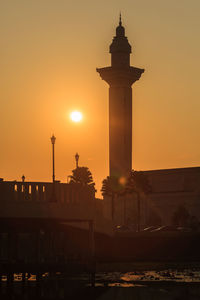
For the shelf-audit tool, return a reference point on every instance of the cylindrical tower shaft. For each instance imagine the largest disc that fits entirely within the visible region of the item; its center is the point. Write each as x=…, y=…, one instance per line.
x=120, y=130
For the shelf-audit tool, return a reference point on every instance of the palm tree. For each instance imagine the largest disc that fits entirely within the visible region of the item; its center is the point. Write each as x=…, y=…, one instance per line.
x=111, y=187
x=138, y=183
x=83, y=176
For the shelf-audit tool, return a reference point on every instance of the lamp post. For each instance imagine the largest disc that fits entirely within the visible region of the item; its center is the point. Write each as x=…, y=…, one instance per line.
x=76, y=158
x=53, y=140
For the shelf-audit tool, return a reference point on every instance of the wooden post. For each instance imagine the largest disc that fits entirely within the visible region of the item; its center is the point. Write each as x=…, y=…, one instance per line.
x=37, y=244
x=10, y=278
x=139, y=221
x=38, y=277
x=91, y=237
x=92, y=252
x=124, y=209
x=9, y=286
x=38, y=285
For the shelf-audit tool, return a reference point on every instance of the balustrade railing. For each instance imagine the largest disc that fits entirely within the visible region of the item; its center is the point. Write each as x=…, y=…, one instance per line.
x=43, y=192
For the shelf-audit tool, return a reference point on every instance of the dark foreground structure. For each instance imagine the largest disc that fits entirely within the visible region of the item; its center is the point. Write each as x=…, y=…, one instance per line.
x=47, y=253
x=38, y=246
x=48, y=259
x=172, y=189
x=38, y=235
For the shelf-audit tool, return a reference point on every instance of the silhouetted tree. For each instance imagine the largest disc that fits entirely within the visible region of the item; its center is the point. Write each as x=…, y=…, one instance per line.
x=138, y=184
x=111, y=187
x=83, y=176
x=180, y=216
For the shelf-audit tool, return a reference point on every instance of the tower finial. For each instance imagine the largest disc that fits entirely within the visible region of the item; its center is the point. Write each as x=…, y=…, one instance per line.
x=120, y=19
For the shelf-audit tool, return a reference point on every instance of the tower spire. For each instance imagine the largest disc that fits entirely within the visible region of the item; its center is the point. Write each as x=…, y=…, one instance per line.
x=120, y=19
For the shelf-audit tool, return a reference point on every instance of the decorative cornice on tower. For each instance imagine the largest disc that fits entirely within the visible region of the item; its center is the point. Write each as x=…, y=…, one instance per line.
x=120, y=77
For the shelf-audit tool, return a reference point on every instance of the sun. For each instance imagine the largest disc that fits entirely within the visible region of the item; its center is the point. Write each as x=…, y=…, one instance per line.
x=76, y=116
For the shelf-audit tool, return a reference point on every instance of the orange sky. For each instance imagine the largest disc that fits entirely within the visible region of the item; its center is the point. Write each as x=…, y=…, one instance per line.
x=49, y=52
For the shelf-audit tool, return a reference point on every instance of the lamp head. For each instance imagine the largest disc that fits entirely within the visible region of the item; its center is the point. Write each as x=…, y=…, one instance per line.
x=76, y=157
x=53, y=139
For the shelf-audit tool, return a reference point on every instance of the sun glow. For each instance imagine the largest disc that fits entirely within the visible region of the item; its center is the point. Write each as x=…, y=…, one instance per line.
x=76, y=116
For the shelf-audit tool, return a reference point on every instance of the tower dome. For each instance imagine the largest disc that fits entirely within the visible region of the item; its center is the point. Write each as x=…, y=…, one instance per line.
x=120, y=48
x=120, y=31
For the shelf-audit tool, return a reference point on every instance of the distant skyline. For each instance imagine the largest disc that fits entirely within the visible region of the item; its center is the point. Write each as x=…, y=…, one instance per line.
x=48, y=55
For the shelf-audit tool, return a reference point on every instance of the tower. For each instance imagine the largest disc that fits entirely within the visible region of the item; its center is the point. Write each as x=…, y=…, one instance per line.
x=120, y=76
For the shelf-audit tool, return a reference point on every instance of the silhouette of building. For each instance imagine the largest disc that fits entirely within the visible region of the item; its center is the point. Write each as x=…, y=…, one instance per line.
x=120, y=76
x=171, y=188
x=47, y=200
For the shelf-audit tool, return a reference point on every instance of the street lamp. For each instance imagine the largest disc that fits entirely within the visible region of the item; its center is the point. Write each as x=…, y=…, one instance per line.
x=53, y=140
x=76, y=158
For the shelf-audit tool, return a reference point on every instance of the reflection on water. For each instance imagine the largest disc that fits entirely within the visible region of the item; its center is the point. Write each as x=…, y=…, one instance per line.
x=166, y=275
x=123, y=279
x=165, y=284
x=116, y=278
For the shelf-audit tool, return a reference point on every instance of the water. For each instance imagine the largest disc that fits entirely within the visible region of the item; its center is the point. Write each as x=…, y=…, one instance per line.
x=117, y=278
x=139, y=285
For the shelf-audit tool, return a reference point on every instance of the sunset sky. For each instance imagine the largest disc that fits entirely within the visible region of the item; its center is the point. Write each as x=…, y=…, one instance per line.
x=49, y=51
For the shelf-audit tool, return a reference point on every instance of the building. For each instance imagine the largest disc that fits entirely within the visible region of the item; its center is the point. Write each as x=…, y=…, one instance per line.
x=120, y=76
x=173, y=190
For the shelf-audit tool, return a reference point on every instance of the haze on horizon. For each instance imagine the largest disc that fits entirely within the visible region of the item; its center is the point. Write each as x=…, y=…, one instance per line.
x=49, y=53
